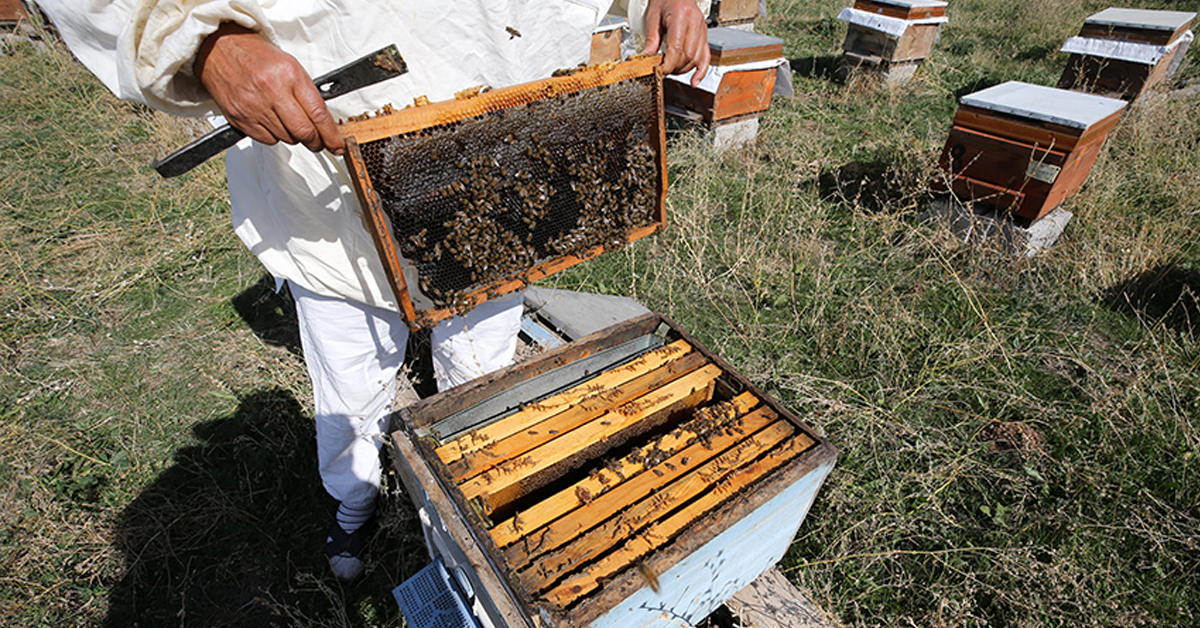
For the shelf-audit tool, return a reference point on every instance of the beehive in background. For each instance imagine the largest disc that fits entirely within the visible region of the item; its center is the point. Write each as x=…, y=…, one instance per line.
x=607, y=40
x=1124, y=52
x=740, y=80
x=477, y=197
x=629, y=478
x=1023, y=149
x=11, y=12
x=728, y=13
x=892, y=37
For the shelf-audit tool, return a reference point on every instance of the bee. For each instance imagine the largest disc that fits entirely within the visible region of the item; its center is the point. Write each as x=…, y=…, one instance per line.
x=649, y=576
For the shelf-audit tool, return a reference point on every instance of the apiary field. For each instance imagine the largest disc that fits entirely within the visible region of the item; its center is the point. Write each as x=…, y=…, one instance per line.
x=1017, y=436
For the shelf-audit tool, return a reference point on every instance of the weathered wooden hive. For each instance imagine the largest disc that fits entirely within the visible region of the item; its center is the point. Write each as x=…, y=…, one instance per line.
x=11, y=12
x=477, y=197
x=726, y=13
x=1024, y=149
x=891, y=36
x=607, y=40
x=628, y=478
x=740, y=81
x=1124, y=52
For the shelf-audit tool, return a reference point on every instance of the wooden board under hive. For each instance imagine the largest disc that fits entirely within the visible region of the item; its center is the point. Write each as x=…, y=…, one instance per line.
x=629, y=478
x=1023, y=149
x=1125, y=52
x=477, y=197
x=740, y=92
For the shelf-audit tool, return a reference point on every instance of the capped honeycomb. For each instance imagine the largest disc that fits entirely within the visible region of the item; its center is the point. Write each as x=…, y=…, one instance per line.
x=478, y=197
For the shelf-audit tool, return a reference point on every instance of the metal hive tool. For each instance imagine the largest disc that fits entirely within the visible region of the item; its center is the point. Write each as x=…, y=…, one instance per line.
x=474, y=198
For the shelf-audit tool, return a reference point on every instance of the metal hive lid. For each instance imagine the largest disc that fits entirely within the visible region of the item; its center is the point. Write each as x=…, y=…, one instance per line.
x=734, y=39
x=1046, y=104
x=1142, y=19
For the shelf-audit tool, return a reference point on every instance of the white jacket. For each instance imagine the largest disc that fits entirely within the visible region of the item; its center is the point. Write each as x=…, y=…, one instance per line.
x=296, y=210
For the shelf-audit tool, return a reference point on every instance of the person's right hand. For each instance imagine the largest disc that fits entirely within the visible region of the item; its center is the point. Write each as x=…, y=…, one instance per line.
x=263, y=91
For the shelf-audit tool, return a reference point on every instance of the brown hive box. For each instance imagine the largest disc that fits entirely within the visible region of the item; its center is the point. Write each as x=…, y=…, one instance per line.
x=477, y=197
x=606, y=40
x=1023, y=149
x=733, y=12
x=740, y=93
x=628, y=478
x=889, y=41
x=1124, y=52
x=12, y=11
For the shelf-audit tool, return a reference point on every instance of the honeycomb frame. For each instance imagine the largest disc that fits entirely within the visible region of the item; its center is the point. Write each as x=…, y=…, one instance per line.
x=423, y=307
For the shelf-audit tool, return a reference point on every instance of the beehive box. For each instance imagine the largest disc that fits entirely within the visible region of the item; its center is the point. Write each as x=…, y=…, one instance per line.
x=1023, y=149
x=629, y=478
x=725, y=13
x=607, y=40
x=1125, y=52
x=477, y=197
x=11, y=12
x=892, y=31
x=744, y=66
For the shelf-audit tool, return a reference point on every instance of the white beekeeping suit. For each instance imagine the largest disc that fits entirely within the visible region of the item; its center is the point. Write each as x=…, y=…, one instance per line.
x=296, y=210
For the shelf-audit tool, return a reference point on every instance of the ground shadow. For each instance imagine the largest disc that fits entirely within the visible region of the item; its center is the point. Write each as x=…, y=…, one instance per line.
x=977, y=85
x=271, y=315
x=1168, y=294
x=882, y=184
x=232, y=532
x=826, y=67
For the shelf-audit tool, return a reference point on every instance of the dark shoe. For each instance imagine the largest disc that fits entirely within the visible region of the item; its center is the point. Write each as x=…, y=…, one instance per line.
x=345, y=550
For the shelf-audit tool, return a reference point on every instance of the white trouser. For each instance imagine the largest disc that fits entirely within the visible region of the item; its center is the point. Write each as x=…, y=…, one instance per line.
x=354, y=353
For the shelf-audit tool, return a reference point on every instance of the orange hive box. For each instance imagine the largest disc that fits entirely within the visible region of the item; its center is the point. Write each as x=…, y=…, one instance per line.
x=606, y=40
x=477, y=197
x=1124, y=52
x=743, y=62
x=1023, y=148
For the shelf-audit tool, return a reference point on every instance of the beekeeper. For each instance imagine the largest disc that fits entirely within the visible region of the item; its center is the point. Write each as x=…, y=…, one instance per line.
x=292, y=201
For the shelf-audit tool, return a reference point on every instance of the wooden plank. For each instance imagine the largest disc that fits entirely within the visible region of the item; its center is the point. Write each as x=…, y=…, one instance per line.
x=601, y=397
x=511, y=399
x=640, y=545
x=604, y=479
x=916, y=43
x=534, y=413
x=594, y=511
x=621, y=529
x=460, y=398
x=602, y=429
x=1144, y=35
x=772, y=602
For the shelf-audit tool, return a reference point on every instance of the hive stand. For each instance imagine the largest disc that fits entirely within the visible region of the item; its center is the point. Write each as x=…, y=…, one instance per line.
x=890, y=38
x=982, y=225
x=1123, y=53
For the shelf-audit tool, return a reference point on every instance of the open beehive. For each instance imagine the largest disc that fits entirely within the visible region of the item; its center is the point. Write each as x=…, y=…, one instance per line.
x=476, y=197
x=629, y=478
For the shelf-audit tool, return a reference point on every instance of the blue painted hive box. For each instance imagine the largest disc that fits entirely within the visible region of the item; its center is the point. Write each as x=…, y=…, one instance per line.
x=629, y=478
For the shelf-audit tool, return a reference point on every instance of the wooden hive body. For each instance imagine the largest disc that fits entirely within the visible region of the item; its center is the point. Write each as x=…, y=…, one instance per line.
x=1024, y=149
x=477, y=197
x=887, y=33
x=741, y=92
x=606, y=40
x=733, y=12
x=700, y=496
x=1125, y=52
x=11, y=12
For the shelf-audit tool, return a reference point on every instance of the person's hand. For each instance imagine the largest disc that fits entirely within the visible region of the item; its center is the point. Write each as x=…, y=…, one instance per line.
x=263, y=91
x=678, y=27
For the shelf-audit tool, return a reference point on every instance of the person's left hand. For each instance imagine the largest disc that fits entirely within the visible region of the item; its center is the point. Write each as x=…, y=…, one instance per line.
x=678, y=27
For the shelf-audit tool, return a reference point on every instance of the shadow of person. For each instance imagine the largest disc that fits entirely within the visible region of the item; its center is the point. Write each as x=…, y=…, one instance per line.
x=270, y=315
x=232, y=533
x=1167, y=294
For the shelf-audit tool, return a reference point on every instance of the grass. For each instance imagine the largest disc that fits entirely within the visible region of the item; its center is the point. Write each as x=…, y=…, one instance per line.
x=1018, y=436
